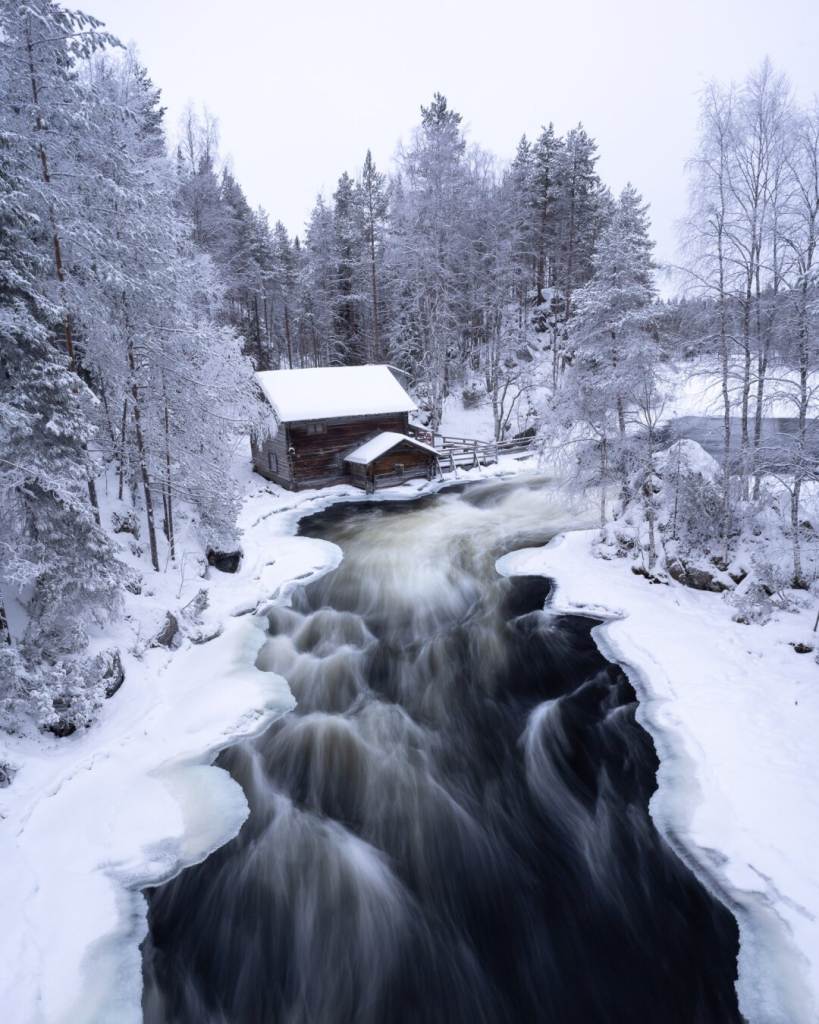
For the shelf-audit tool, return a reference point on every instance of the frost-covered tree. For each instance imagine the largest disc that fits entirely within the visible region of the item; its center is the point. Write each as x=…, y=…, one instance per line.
x=56, y=561
x=614, y=316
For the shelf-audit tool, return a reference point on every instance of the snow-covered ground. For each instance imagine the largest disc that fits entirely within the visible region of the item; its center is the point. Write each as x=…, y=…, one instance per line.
x=734, y=712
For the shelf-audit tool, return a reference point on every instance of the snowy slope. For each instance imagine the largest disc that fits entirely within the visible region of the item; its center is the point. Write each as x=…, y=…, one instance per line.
x=734, y=712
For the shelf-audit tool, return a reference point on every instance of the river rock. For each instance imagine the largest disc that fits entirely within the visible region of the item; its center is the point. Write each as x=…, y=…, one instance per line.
x=166, y=636
x=114, y=674
x=224, y=561
x=695, y=576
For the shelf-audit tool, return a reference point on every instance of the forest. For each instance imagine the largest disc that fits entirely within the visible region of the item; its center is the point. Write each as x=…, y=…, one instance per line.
x=139, y=292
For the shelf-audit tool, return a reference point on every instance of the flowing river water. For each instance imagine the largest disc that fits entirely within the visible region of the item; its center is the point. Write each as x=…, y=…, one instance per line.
x=453, y=824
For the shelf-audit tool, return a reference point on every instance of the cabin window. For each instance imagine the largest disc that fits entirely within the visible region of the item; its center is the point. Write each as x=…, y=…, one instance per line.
x=316, y=428
x=398, y=468
x=273, y=462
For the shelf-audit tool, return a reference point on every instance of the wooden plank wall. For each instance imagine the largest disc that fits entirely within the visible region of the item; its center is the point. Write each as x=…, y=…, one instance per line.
x=278, y=446
x=318, y=459
x=408, y=455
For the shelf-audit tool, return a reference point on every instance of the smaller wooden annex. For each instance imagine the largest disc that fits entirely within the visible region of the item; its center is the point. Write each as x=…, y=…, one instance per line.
x=339, y=424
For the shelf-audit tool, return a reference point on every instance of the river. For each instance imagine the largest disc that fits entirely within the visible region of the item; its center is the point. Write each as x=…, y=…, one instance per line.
x=453, y=825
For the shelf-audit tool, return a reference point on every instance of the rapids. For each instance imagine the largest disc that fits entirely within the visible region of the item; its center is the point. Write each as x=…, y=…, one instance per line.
x=453, y=825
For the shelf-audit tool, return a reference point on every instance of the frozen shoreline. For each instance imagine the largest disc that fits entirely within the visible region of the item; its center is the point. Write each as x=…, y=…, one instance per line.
x=734, y=713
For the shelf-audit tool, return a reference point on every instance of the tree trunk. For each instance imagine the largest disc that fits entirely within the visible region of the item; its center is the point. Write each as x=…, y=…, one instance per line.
x=168, y=485
x=143, y=461
x=762, y=369
x=603, y=469
x=5, y=632
x=122, y=447
x=649, y=492
x=258, y=327
x=287, y=337
x=376, y=349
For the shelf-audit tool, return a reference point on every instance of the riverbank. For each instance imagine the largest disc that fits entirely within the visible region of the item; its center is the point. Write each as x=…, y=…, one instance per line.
x=734, y=713
x=92, y=818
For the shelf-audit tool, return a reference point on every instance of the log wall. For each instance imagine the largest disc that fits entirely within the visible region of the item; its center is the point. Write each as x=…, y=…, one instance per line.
x=277, y=445
x=318, y=459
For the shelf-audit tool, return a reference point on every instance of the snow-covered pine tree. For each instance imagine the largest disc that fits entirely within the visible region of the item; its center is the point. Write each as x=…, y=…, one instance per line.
x=56, y=561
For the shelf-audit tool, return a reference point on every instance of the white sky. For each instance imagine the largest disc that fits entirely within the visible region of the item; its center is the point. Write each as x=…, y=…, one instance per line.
x=302, y=89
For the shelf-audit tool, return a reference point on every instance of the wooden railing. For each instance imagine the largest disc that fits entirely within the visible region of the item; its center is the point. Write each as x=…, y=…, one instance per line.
x=468, y=452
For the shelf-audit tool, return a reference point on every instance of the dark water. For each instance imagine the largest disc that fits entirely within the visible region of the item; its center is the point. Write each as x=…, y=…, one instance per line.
x=452, y=826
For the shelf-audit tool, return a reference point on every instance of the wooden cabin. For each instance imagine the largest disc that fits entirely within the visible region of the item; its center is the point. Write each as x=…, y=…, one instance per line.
x=389, y=459
x=325, y=414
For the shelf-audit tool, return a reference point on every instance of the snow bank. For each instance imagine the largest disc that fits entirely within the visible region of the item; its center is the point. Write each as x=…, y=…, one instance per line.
x=734, y=713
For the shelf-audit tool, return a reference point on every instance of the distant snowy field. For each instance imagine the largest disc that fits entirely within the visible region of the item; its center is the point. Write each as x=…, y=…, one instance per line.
x=694, y=389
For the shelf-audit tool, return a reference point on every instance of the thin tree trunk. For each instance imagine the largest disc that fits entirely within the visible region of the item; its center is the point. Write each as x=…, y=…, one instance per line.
x=761, y=369
x=168, y=484
x=258, y=326
x=5, y=632
x=603, y=470
x=288, y=338
x=122, y=448
x=376, y=350
x=649, y=492
x=745, y=441
x=143, y=462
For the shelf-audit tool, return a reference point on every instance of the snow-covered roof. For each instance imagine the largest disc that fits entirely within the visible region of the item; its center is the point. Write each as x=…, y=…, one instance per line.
x=380, y=444
x=330, y=392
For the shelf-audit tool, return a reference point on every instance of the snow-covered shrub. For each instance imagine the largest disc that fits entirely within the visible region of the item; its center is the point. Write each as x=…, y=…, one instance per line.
x=767, y=590
x=472, y=395
x=684, y=496
x=752, y=604
x=689, y=500
x=61, y=697
x=125, y=521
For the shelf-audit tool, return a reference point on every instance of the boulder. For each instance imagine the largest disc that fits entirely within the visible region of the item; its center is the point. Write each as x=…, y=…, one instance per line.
x=695, y=576
x=224, y=561
x=205, y=633
x=166, y=636
x=113, y=675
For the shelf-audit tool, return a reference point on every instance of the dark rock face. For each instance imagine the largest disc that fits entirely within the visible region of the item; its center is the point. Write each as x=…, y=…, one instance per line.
x=224, y=561
x=114, y=674
x=165, y=637
x=63, y=727
x=694, y=576
x=7, y=774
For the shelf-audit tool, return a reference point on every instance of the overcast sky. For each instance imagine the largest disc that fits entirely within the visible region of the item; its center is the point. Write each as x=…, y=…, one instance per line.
x=303, y=89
